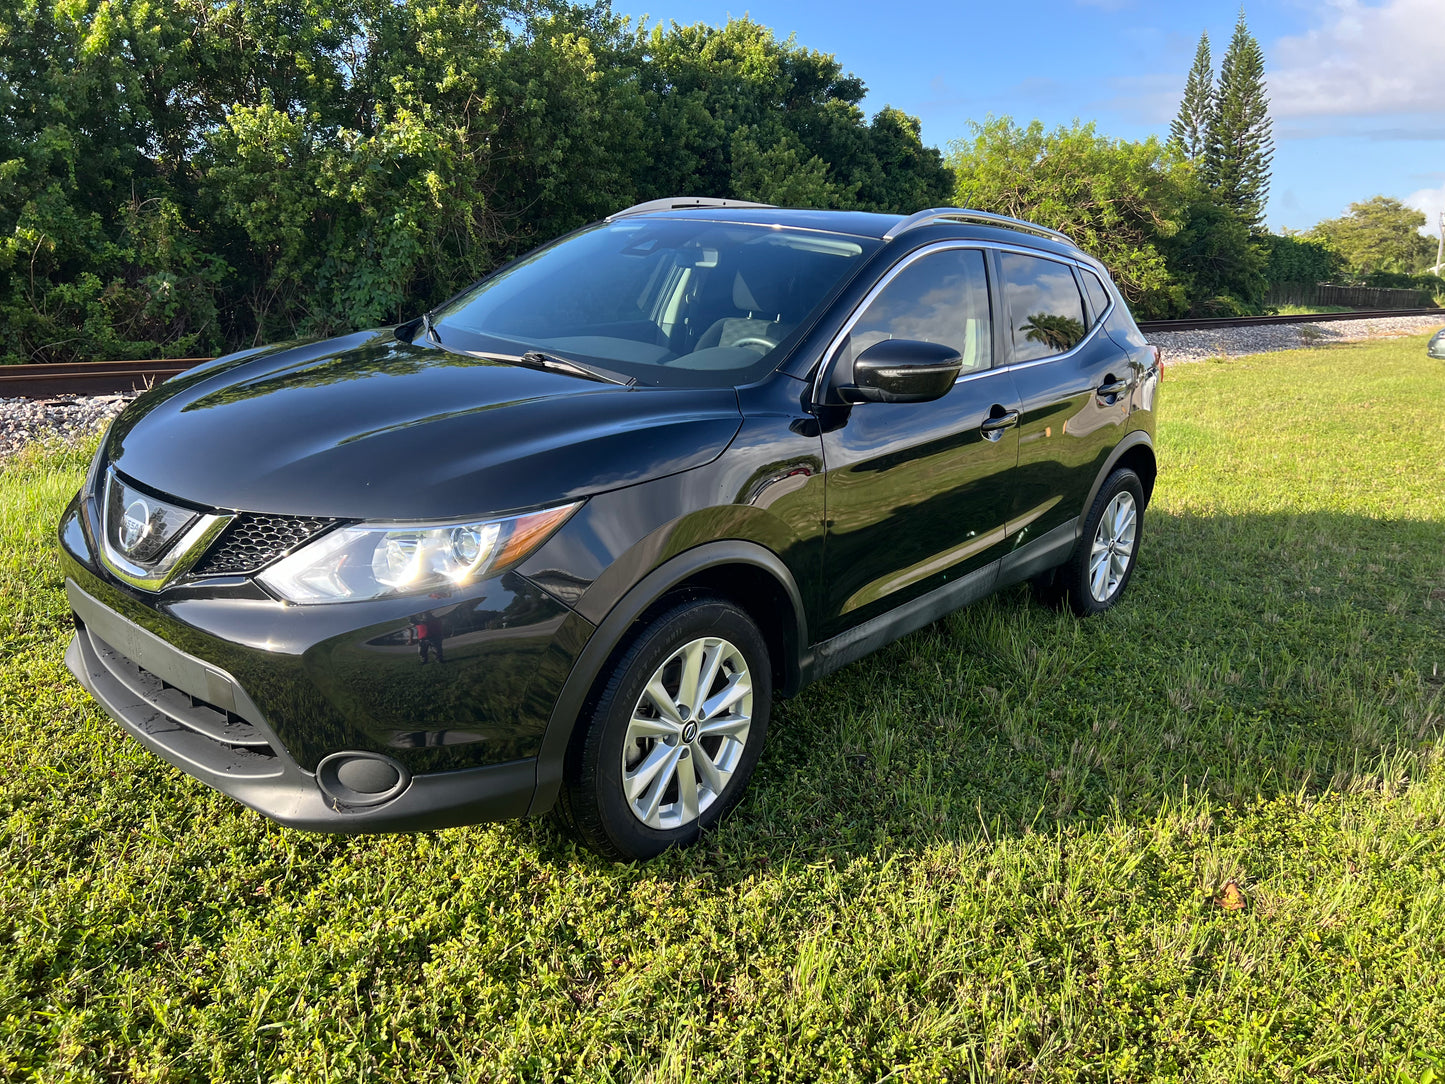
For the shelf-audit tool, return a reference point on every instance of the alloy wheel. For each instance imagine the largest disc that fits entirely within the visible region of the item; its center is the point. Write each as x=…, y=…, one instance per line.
x=1113, y=546
x=687, y=732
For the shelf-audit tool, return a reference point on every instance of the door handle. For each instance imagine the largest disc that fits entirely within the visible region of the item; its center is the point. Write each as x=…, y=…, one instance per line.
x=993, y=426
x=1114, y=387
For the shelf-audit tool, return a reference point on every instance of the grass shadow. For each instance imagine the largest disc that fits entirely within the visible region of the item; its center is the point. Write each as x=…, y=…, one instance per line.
x=1254, y=657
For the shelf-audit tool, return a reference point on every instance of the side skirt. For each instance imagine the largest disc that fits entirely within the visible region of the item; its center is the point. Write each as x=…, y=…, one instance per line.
x=1040, y=555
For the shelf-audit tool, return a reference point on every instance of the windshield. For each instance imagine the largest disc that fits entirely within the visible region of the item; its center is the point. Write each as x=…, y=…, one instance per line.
x=670, y=301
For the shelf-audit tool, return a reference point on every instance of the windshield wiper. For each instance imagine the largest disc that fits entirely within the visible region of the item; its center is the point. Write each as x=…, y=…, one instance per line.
x=430, y=328
x=552, y=363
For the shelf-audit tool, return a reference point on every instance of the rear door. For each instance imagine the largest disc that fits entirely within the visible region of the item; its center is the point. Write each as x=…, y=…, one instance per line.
x=917, y=493
x=1073, y=383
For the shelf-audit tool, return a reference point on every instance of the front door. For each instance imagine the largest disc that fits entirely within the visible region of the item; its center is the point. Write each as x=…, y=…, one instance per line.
x=917, y=493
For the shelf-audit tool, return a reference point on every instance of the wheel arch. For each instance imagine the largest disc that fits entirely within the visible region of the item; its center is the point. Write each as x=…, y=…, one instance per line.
x=1135, y=451
x=749, y=575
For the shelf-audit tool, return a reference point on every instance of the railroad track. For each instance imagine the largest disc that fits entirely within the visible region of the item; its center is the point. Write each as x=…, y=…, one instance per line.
x=112, y=377
x=88, y=377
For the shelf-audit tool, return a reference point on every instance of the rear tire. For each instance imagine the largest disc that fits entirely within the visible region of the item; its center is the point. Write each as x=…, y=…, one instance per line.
x=1102, y=564
x=669, y=742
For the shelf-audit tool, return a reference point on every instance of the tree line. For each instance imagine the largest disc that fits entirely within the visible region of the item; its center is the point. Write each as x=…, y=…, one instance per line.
x=184, y=177
x=1180, y=221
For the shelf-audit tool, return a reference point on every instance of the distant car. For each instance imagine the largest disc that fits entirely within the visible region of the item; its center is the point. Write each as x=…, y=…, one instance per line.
x=559, y=543
x=1436, y=349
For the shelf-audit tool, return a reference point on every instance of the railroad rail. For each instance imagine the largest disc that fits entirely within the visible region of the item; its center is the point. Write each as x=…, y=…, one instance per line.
x=88, y=377
x=118, y=377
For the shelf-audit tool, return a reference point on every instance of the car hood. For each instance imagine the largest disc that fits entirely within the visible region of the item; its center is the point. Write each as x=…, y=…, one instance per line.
x=366, y=427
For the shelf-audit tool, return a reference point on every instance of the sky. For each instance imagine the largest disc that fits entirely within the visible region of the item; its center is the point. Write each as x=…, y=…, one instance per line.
x=1357, y=89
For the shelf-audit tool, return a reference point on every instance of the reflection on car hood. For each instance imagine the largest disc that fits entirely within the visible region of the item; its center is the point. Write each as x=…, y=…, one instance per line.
x=367, y=427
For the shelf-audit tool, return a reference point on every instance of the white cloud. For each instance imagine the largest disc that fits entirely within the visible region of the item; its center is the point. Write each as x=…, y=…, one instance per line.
x=1432, y=202
x=1364, y=61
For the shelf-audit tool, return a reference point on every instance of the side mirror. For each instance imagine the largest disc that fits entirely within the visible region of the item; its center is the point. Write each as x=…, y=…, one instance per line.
x=902, y=371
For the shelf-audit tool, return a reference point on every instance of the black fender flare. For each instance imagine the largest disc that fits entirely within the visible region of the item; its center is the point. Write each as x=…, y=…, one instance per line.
x=613, y=629
x=1131, y=441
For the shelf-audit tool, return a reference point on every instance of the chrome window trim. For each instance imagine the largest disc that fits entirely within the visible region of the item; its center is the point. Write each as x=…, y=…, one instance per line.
x=830, y=355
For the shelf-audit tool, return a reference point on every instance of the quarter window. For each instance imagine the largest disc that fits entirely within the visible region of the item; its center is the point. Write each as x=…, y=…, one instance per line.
x=1098, y=296
x=939, y=298
x=1045, y=309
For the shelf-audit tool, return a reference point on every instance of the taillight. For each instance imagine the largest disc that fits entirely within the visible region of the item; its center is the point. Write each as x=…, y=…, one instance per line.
x=1158, y=361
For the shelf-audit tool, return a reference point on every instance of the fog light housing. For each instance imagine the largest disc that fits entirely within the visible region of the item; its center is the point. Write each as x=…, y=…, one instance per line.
x=361, y=779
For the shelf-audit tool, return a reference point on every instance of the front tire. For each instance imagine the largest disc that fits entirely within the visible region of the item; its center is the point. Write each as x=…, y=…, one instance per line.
x=670, y=741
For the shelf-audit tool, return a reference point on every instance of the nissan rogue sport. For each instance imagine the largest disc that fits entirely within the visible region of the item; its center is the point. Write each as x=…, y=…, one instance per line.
x=557, y=544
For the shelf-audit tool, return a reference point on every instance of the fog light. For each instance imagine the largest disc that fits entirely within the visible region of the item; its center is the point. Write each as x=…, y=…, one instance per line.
x=361, y=779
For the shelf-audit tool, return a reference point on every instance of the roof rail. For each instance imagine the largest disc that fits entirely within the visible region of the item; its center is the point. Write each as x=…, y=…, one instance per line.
x=963, y=214
x=680, y=203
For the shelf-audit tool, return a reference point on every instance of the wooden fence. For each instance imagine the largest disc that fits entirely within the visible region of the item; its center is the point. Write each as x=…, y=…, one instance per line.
x=1352, y=297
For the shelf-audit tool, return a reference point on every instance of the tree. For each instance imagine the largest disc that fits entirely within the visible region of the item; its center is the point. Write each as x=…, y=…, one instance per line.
x=1189, y=133
x=1118, y=200
x=182, y=176
x=1239, y=146
x=732, y=111
x=1299, y=259
x=1380, y=234
x=1214, y=258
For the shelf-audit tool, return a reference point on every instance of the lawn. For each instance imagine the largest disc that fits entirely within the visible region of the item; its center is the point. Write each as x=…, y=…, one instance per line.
x=994, y=850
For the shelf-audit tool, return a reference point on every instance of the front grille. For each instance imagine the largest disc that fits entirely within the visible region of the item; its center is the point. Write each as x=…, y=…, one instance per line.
x=199, y=732
x=253, y=540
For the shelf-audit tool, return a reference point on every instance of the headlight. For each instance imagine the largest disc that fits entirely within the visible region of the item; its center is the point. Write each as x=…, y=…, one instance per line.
x=371, y=561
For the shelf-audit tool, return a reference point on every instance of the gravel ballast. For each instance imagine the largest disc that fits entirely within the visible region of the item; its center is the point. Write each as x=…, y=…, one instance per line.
x=1234, y=342
x=73, y=416
x=69, y=417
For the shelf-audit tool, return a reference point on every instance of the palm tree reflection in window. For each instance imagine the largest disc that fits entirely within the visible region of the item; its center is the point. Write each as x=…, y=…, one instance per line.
x=1058, y=333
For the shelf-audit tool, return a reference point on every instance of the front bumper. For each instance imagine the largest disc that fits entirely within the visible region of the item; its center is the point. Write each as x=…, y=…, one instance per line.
x=298, y=712
x=198, y=718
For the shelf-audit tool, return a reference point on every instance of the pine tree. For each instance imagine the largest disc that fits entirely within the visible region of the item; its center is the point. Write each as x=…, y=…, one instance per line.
x=1239, y=146
x=1190, y=130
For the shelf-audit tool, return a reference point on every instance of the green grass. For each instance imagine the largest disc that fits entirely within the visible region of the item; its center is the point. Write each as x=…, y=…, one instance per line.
x=1308, y=310
x=993, y=850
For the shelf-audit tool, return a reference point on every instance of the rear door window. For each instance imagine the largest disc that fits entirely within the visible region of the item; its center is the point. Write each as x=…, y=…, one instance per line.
x=1045, y=310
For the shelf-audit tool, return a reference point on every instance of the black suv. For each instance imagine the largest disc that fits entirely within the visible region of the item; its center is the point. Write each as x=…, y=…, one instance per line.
x=559, y=542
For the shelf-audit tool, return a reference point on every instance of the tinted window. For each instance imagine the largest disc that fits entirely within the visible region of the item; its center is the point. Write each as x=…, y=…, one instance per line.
x=670, y=301
x=1098, y=296
x=1044, y=305
x=939, y=298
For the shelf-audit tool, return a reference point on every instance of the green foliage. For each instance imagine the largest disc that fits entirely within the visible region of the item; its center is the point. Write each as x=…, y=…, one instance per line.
x=1239, y=146
x=1299, y=259
x=1118, y=200
x=1392, y=280
x=1189, y=132
x=96, y=250
x=1378, y=235
x=1215, y=258
x=732, y=111
x=183, y=177
x=991, y=851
